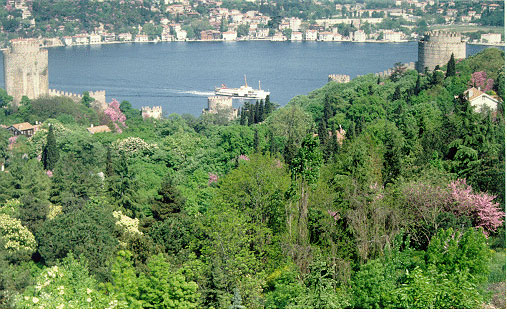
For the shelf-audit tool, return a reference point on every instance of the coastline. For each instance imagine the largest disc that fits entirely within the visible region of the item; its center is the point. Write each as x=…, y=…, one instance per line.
x=256, y=39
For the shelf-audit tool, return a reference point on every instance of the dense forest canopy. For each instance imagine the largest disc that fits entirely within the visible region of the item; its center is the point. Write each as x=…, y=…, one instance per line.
x=377, y=193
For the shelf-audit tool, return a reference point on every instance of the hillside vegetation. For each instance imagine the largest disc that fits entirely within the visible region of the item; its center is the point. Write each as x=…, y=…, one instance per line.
x=378, y=193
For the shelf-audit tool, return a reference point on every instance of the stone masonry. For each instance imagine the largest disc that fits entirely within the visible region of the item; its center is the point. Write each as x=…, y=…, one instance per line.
x=338, y=78
x=436, y=47
x=26, y=69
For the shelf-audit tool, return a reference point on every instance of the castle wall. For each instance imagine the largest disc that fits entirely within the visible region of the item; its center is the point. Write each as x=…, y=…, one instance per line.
x=151, y=112
x=99, y=96
x=436, y=48
x=26, y=70
x=216, y=103
x=338, y=78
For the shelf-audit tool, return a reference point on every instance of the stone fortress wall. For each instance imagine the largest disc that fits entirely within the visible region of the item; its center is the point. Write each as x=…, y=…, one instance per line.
x=338, y=78
x=436, y=47
x=221, y=103
x=390, y=71
x=26, y=69
x=154, y=112
x=99, y=96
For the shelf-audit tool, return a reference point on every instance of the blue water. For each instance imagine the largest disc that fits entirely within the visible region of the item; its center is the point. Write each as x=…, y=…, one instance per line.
x=179, y=76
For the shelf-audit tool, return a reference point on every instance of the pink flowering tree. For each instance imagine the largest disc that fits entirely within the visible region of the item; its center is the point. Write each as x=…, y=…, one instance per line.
x=243, y=157
x=481, y=207
x=12, y=141
x=480, y=80
x=114, y=113
x=212, y=178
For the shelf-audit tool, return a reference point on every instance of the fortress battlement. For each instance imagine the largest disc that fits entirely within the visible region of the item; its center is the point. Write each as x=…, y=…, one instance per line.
x=22, y=46
x=338, y=78
x=436, y=47
x=99, y=96
x=151, y=112
x=26, y=69
x=219, y=102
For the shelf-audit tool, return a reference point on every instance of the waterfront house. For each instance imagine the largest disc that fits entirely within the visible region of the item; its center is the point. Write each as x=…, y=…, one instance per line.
x=67, y=40
x=359, y=36
x=491, y=38
x=392, y=36
x=311, y=35
x=278, y=36
x=141, y=38
x=125, y=37
x=108, y=37
x=181, y=34
x=95, y=39
x=296, y=36
x=81, y=39
x=262, y=33
x=166, y=36
x=229, y=35
x=326, y=36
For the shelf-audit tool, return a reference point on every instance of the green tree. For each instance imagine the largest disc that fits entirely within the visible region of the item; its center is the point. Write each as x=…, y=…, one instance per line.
x=66, y=285
x=50, y=153
x=88, y=232
x=304, y=169
x=169, y=200
x=124, y=285
x=163, y=288
x=5, y=99
x=87, y=100
x=451, y=67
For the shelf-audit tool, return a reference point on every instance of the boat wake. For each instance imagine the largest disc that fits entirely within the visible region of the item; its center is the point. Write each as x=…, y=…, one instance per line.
x=195, y=92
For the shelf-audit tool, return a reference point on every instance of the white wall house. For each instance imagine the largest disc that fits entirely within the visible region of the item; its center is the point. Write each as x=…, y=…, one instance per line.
x=479, y=99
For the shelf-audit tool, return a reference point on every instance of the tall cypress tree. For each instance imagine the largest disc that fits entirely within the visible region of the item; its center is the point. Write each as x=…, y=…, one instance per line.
x=322, y=132
x=262, y=111
x=242, y=120
x=417, y=88
x=109, y=163
x=257, y=112
x=272, y=147
x=268, y=106
x=251, y=114
x=451, y=67
x=50, y=154
x=334, y=141
x=397, y=93
x=168, y=201
x=328, y=113
x=256, y=141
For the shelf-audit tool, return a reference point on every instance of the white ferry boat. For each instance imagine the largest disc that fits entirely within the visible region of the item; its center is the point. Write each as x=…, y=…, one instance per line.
x=243, y=92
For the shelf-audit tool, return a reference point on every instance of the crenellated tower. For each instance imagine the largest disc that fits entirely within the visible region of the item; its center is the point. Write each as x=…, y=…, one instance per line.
x=436, y=47
x=26, y=69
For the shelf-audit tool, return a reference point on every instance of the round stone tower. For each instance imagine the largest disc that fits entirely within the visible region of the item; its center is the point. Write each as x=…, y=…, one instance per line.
x=436, y=47
x=26, y=69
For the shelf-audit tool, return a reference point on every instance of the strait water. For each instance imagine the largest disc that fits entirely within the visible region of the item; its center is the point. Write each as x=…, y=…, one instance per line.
x=179, y=76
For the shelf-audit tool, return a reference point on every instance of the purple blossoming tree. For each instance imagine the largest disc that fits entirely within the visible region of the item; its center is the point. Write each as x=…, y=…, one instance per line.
x=115, y=115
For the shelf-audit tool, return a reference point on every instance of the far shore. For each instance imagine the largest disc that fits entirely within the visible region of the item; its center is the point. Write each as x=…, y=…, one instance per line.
x=256, y=39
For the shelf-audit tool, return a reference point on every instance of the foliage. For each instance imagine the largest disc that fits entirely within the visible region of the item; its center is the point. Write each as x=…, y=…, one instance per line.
x=169, y=200
x=115, y=115
x=50, y=154
x=133, y=146
x=66, y=285
x=87, y=232
x=188, y=212
x=162, y=288
x=16, y=239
